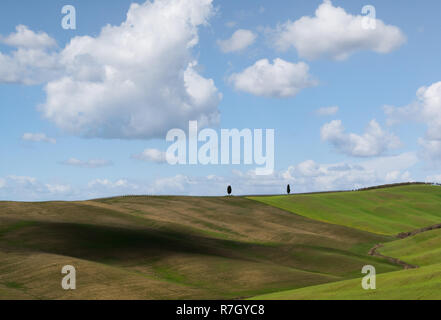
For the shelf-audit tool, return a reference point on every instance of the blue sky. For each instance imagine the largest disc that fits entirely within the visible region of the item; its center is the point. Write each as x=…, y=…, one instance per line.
x=84, y=111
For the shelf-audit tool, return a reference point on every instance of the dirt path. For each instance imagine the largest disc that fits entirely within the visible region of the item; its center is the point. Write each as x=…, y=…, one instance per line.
x=374, y=252
x=403, y=235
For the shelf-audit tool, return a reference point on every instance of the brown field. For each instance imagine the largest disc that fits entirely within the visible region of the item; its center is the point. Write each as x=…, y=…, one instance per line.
x=172, y=248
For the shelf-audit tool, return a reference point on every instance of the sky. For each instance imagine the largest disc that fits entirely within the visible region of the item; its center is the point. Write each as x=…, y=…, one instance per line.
x=352, y=90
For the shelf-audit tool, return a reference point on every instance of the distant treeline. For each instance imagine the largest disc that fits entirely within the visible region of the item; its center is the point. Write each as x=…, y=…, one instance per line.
x=397, y=185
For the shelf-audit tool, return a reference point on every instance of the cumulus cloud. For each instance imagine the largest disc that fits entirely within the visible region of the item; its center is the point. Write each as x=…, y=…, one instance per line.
x=24, y=188
x=151, y=155
x=280, y=79
x=374, y=142
x=327, y=111
x=25, y=38
x=94, y=163
x=135, y=80
x=240, y=40
x=38, y=137
x=334, y=33
x=33, y=59
x=426, y=109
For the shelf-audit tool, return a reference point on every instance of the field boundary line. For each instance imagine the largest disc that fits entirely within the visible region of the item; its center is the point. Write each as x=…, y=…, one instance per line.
x=403, y=235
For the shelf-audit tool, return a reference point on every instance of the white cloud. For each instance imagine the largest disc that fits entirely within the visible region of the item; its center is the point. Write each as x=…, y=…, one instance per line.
x=152, y=155
x=29, y=66
x=303, y=177
x=434, y=178
x=426, y=109
x=240, y=40
x=135, y=80
x=429, y=103
x=396, y=175
x=213, y=185
x=23, y=188
x=22, y=180
x=230, y=24
x=397, y=115
x=25, y=38
x=179, y=184
x=58, y=188
x=311, y=176
x=392, y=176
x=121, y=183
x=107, y=188
x=431, y=150
x=327, y=111
x=94, y=163
x=374, y=142
x=31, y=62
x=38, y=137
x=279, y=79
x=334, y=33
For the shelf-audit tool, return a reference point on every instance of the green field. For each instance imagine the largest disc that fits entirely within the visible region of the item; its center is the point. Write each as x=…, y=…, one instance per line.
x=422, y=249
x=386, y=211
x=416, y=284
x=423, y=283
x=379, y=211
x=222, y=247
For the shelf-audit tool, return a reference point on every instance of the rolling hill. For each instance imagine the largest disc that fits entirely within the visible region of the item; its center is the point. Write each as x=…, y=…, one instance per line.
x=416, y=284
x=421, y=247
x=214, y=247
x=172, y=248
x=423, y=250
x=387, y=211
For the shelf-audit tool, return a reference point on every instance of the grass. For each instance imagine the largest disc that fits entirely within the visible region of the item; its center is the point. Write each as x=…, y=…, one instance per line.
x=172, y=248
x=13, y=285
x=283, y=247
x=416, y=284
x=383, y=211
x=422, y=249
x=386, y=211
